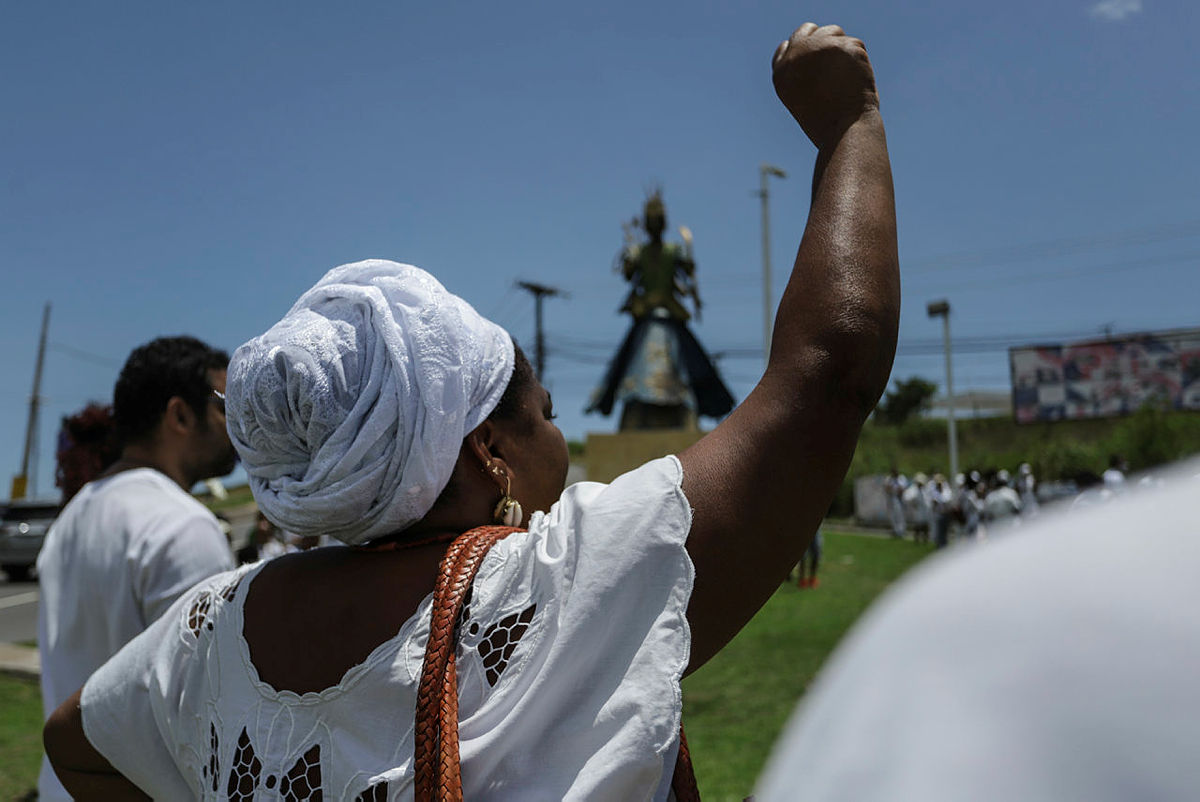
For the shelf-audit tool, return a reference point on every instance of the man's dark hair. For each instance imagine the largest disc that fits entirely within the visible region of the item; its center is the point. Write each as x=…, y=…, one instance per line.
x=155, y=373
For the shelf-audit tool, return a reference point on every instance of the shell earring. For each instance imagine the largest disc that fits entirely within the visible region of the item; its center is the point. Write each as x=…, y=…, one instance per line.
x=508, y=511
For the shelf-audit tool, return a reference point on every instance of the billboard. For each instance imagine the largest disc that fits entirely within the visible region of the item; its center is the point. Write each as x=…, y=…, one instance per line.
x=1101, y=378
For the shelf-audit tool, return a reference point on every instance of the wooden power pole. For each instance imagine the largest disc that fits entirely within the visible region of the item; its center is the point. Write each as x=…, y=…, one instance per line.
x=539, y=292
x=20, y=485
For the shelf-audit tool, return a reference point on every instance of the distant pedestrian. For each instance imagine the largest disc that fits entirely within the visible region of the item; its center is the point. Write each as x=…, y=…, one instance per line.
x=941, y=504
x=971, y=503
x=1027, y=490
x=1114, y=477
x=1002, y=503
x=917, y=509
x=133, y=540
x=810, y=562
x=87, y=445
x=893, y=487
x=264, y=543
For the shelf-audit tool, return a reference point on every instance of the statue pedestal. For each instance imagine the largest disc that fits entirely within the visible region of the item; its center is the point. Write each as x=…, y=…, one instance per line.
x=610, y=455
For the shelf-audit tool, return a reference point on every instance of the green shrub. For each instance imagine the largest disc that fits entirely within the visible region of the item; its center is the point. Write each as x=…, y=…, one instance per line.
x=1150, y=437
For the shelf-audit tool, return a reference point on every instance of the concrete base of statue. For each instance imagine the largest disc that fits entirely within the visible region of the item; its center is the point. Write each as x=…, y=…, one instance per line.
x=610, y=455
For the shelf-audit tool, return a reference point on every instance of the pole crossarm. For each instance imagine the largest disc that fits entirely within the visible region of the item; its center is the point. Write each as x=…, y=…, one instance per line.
x=540, y=292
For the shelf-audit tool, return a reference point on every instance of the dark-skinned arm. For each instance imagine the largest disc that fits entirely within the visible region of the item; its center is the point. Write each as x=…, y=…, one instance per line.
x=761, y=482
x=83, y=771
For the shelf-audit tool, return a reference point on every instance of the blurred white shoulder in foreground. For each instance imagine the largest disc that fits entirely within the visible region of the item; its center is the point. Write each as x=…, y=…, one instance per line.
x=1059, y=663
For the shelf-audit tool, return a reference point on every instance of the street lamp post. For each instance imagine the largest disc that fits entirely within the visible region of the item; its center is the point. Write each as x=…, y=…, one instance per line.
x=942, y=309
x=765, y=170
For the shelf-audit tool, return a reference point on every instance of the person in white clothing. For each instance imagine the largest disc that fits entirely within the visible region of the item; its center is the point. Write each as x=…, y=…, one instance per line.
x=963, y=683
x=941, y=506
x=1002, y=505
x=1114, y=475
x=893, y=487
x=385, y=411
x=1027, y=490
x=971, y=505
x=132, y=541
x=916, y=507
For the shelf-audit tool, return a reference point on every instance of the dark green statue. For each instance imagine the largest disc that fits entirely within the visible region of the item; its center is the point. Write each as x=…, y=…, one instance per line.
x=660, y=373
x=661, y=273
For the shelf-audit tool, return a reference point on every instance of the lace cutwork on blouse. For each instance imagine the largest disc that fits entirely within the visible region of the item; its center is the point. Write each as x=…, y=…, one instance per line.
x=303, y=780
x=244, y=774
x=500, y=641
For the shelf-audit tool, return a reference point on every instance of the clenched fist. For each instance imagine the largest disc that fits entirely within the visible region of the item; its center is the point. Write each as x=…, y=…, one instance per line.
x=825, y=80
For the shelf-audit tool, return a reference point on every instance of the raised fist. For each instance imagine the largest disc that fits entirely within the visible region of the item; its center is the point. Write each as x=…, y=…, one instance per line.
x=825, y=80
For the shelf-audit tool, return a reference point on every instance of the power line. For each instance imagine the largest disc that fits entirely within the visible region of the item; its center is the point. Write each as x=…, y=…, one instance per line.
x=86, y=356
x=1183, y=259
x=1023, y=252
x=1055, y=247
x=587, y=351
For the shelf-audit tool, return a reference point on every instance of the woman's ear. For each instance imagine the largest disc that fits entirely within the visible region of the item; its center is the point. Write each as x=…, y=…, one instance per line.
x=482, y=443
x=479, y=443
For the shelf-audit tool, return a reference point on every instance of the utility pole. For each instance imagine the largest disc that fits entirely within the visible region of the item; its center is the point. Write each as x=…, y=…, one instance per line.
x=765, y=170
x=539, y=292
x=942, y=309
x=20, y=484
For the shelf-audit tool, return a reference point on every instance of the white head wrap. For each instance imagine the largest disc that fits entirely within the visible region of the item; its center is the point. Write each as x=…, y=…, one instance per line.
x=349, y=413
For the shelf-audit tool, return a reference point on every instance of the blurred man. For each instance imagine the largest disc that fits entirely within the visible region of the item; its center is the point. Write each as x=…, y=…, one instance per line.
x=941, y=506
x=1114, y=477
x=1027, y=490
x=894, y=486
x=133, y=540
x=916, y=507
x=1002, y=503
x=1043, y=683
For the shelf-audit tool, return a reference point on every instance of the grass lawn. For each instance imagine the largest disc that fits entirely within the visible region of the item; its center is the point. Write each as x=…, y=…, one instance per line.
x=734, y=707
x=20, y=735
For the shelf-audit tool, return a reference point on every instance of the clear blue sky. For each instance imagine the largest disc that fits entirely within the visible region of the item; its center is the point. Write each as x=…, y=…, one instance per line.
x=193, y=167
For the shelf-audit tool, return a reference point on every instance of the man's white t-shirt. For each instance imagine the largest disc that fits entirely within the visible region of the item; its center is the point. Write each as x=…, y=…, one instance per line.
x=122, y=551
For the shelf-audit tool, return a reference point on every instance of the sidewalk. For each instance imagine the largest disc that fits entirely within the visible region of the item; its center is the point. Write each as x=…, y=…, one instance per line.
x=20, y=660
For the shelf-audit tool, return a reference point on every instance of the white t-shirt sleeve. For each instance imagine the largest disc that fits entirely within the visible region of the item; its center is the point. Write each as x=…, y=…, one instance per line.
x=183, y=549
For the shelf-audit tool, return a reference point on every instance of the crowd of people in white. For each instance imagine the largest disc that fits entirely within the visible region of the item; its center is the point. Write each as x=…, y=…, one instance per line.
x=939, y=509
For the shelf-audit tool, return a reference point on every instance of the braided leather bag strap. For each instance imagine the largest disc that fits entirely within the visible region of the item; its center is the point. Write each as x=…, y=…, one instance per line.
x=436, y=730
x=436, y=761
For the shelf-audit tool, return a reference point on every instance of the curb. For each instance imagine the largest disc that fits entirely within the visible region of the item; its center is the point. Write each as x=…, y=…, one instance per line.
x=21, y=661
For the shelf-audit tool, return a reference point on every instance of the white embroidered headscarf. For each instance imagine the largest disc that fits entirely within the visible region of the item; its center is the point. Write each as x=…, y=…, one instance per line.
x=349, y=413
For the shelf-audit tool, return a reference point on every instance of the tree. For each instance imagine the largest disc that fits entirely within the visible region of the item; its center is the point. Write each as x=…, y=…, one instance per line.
x=909, y=396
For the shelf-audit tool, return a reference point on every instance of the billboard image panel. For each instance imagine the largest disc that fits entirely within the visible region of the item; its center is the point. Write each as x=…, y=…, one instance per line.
x=1102, y=378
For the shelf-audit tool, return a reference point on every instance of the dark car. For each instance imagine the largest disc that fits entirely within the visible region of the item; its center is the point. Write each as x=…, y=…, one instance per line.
x=23, y=528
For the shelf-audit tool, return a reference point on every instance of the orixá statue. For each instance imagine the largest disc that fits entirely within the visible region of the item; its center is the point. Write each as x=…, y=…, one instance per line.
x=661, y=372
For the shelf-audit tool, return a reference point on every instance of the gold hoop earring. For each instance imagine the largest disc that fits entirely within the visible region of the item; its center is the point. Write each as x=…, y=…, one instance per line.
x=508, y=512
